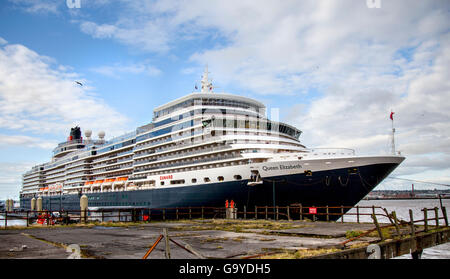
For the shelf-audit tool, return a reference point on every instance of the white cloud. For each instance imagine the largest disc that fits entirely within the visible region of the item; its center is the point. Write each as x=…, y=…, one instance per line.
x=3, y=41
x=118, y=69
x=11, y=174
x=38, y=96
x=26, y=141
x=39, y=6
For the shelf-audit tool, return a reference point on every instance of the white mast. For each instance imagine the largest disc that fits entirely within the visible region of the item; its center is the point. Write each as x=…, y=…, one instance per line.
x=206, y=84
x=393, y=134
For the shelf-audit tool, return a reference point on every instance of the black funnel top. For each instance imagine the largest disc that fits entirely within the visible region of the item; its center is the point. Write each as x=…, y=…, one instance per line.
x=75, y=133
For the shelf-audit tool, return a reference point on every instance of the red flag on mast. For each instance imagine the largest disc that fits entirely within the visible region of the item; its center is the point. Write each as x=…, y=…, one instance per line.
x=392, y=115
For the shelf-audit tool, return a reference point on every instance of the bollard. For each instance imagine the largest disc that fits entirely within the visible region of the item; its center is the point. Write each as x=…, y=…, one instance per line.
x=83, y=208
x=39, y=204
x=166, y=238
x=33, y=204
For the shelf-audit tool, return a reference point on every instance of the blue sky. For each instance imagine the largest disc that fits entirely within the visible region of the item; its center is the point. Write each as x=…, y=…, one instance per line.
x=334, y=69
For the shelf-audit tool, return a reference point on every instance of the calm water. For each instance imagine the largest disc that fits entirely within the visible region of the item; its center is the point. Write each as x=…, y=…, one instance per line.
x=401, y=207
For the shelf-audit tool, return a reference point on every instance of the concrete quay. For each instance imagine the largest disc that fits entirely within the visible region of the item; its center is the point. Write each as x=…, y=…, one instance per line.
x=219, y=238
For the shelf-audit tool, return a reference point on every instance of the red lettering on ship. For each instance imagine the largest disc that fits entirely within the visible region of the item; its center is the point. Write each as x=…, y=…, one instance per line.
x=163, y=177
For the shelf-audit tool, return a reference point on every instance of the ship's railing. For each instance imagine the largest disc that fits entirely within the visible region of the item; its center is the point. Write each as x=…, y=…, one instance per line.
x=330, y=151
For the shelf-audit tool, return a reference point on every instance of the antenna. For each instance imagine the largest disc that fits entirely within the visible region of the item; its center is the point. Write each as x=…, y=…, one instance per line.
x=206, y=84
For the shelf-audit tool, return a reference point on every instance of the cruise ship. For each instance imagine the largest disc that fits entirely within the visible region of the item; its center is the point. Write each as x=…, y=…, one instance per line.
x=201, y=150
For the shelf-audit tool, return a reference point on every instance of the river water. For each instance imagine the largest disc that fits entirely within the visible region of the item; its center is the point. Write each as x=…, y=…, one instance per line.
x=401, y=207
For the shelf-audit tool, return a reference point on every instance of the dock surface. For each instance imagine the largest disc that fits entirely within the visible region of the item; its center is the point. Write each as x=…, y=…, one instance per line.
x=211, y=238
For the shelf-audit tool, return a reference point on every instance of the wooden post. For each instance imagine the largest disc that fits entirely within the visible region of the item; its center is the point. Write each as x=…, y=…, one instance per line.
x=102, y=216
x=190, y=213
x=203, y=212
x=444, y=212
x=375, y=221
x=411, y=218
x=166, y=238
x=373, y=209
x=256, y=212
x=394, y=217
x=288, y=215
x=388, y=216
x=245, y=212
x=164, y=214
x=276, y=210
x=357, y=214
x=425, y=218
x=6, y=219
x=436, y=216
x=176, y=213
x=27, y=218
x=313, y=216
x=266, y=212
x=342, y=214
x=328, y=214
x=301, y=212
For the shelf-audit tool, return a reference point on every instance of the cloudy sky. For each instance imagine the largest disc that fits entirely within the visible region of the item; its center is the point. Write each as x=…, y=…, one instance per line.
x=334, y=69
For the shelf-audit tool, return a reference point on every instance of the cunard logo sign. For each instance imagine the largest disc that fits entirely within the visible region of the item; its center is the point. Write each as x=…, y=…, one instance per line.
x=163, y=177
x=281, y=167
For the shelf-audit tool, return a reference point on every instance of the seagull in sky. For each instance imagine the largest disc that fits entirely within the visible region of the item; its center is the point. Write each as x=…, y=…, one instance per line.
x=79, y=83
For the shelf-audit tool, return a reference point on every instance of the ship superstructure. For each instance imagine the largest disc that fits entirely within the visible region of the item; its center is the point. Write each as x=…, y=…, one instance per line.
x=202, y=149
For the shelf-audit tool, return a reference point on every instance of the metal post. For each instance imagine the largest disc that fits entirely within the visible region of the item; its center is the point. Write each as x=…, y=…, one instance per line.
x=273, y=194
x=357, y=214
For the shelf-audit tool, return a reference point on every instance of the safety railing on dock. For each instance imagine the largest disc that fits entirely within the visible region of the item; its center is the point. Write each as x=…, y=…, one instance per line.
x=294, y=212
x=431, y=221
